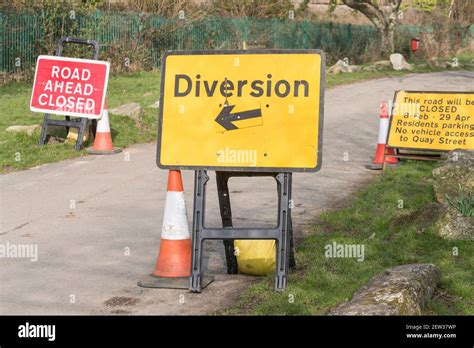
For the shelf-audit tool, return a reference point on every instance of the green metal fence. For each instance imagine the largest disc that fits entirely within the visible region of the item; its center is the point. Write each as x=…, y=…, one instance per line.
x=23, y=36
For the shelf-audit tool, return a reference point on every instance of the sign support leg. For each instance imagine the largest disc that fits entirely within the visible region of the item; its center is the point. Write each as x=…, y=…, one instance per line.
x=200, y=180
x=281, y=233
x=284, y=224
x=80, y=133
x=44, y=131
x=226, y=214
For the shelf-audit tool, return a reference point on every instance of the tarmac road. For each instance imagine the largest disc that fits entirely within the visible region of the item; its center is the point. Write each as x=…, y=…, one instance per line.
x=91, y=256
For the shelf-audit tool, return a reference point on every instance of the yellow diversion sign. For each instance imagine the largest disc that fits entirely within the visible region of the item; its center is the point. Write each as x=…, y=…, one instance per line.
x=432, y=121
x=242, y=110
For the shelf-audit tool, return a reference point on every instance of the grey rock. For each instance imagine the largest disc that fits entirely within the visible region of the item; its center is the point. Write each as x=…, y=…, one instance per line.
x=132, y=110
x=422, y=65
x=399, y=63
x=55, y=140
x=354, y=68
x=155, y=105
x=455, y=176
x=340, y=66
x=29, y=130
x=440, y=218
x=379, y=65
x=454, y=65
x=402, y=290
x=382, y=64
x=451, y=224
x=436, y=63
x=369, y=68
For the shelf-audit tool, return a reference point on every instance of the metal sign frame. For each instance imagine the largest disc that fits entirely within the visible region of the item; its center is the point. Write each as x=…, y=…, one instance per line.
x=282, y=233
x=418, y=92
x=81, y=122
x=319, y=154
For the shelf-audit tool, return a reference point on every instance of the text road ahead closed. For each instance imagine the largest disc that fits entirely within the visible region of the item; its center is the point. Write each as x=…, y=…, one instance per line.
x=70, y=86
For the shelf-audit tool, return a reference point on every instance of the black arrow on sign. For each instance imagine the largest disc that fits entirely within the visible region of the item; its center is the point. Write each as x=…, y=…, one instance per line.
x=225, y=118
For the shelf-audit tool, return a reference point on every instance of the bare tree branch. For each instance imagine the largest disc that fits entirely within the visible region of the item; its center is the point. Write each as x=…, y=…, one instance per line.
x=383, y=16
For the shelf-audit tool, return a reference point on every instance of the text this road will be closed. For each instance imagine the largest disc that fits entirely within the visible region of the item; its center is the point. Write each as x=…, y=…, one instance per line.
x=436, y=121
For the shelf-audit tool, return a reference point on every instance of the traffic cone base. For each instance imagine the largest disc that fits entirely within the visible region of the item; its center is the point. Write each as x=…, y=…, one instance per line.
x=114, y=150
x=103, y=139
x=155, y=282
x=390, y=159
x=173, y=266
x=174, y=259
x=374, y=166
x=378, y=161
x=380, y=155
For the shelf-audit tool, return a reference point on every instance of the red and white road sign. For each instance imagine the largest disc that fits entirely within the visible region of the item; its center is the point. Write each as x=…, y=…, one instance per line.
x=70, y=86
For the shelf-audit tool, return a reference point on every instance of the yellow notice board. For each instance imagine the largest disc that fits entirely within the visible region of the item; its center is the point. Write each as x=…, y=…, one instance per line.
x=441, y=121
x=242, y=110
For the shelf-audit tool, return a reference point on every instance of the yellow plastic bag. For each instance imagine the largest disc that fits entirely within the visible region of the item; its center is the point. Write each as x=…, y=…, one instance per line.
x=255, y=257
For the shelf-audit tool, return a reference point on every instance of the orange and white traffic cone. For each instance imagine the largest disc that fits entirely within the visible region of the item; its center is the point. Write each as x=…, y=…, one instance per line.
x=379, y=157
x=173, y=266
x=174, y=259
x=103, y=139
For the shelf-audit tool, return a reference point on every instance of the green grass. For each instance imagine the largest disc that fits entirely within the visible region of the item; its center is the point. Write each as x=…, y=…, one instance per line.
x=391, y=238
x=333, y=80
x=18, y=151
x=463, y=203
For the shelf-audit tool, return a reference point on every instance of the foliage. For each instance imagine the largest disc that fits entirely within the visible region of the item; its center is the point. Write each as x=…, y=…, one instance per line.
x=428, y=5
x=383, y=14
x=251, y=8
x=19, y=151
x=135, y=40
x=373, y=219
x=56, y=19
x=163, y=8
x=463, y=203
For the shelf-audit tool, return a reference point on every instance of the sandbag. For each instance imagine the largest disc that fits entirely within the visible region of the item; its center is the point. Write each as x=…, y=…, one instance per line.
x=255, y=257
x=73, y=134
